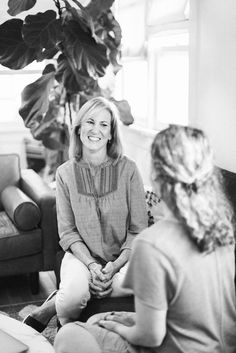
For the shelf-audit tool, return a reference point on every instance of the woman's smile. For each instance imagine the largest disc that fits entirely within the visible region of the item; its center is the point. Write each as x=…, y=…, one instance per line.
x=94, y=138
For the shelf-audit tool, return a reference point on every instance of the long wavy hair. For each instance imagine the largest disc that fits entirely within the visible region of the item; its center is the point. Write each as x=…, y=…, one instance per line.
x=183, y=166
x=91, y=108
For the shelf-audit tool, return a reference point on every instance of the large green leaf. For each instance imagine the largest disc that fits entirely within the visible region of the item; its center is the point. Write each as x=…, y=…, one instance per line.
x=49, y=120
x=109, y=30
x=14, y=53
x=17, y=6
x=87, y=55
x=73, y=80
x=42, y=30
x=96, y=7
x=56, y=137
x=47, y=54
x=35, y=99
x=125, y=111
x=108, y=27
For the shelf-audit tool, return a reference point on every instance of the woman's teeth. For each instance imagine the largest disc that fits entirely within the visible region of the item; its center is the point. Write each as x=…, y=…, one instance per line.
x=93, y=138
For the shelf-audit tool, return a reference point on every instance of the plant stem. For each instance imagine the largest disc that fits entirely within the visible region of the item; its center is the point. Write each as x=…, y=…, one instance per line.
x=78, y=4
x=70, y=113
x=58, y=5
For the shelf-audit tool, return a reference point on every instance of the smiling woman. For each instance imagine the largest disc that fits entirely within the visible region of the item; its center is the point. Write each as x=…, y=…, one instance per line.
x=100, y=209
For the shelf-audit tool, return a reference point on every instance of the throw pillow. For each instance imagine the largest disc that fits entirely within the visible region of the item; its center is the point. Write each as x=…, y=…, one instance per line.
x=22, y=210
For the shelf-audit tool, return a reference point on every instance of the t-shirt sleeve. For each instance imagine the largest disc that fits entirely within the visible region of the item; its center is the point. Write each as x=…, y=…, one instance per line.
x=151, y=276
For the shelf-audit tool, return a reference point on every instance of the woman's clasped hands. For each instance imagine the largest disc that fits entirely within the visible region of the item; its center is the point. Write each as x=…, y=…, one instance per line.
x=101, y=279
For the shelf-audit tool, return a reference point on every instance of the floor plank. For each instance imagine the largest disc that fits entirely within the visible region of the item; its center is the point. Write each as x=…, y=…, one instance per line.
x=16, y=290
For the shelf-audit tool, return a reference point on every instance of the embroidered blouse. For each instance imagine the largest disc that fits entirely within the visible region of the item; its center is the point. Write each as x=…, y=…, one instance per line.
x=106, y=218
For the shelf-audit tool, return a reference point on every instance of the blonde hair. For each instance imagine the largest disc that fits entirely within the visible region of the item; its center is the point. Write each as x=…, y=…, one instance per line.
x=182, y=162
x=91, y=107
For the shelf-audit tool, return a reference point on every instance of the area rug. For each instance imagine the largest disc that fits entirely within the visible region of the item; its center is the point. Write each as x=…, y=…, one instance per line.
x=20, y=311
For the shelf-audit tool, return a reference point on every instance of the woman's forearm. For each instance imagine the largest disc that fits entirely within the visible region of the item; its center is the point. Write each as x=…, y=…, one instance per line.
x=137, y=337
x=80, y=250
x=122, y=259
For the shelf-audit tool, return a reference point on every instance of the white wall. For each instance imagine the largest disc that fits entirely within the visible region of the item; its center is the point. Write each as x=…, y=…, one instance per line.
x=213, y=75
x=137, y=145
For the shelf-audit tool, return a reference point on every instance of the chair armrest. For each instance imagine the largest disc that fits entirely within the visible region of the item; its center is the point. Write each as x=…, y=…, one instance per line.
x=40, y=192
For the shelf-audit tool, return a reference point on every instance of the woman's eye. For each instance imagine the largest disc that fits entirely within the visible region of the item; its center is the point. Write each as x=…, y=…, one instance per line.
x=89, y=122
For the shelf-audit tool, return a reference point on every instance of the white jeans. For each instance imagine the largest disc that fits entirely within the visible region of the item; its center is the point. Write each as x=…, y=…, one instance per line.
x=73, y=292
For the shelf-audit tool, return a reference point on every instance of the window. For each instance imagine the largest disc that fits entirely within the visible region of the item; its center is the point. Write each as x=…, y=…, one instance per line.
x=131, y=84
x=170, y=65
x=12, y=84
x=154, y=78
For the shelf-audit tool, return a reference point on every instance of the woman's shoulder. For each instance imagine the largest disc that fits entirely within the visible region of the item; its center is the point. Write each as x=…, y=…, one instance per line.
x=66, y=167
x=163, y=233
x=128, y=163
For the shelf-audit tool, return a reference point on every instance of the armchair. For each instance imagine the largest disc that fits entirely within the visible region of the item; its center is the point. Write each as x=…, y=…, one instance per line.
x=28, y=230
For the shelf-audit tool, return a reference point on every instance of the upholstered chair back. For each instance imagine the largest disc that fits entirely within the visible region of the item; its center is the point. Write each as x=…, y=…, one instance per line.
x=9, y=172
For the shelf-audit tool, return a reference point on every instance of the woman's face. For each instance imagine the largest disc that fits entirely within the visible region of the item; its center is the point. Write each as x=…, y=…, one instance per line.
x=95, y=131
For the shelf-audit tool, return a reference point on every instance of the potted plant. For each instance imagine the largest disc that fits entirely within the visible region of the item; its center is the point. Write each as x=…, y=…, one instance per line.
x=78, y=44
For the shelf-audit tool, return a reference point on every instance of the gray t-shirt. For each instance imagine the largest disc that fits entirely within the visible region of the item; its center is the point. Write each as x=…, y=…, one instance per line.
x=168, y=272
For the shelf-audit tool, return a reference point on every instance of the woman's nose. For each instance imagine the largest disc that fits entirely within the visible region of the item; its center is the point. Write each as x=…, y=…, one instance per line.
x=95, y=128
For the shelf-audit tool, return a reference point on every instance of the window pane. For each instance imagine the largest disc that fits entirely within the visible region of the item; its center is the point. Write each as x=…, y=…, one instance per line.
x=131, y=84
x=131, y=18
x=172, y=87
x=10, y=94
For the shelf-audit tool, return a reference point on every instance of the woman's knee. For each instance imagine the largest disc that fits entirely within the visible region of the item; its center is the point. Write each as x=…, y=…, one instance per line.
x=73, y=293
x=71, y=336
x=70, y=301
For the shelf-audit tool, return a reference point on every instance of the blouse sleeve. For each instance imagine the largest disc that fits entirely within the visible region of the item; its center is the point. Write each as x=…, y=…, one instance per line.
x=138, y=219
x=151, y=276
x=68, y=232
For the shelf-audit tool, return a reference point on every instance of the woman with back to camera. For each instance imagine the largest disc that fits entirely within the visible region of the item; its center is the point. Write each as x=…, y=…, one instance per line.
x=181, y=269
x=100, y=209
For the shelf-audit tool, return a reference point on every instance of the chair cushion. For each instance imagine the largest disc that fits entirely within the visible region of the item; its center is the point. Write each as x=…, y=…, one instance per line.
x=23, y=211
x=10, y=171
x=15, y=243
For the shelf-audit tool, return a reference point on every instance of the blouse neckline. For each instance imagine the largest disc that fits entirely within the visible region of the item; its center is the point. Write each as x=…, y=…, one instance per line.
x=82, y=163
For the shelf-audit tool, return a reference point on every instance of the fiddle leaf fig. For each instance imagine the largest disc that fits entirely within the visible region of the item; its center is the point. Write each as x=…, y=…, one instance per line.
x=96, y=7
x=17, y=6
x=35, y=99
x=42, y=30
x=14, y=52
x=109, y=29
x=125, y=112
x=73, y=80
x=80, y=42
x=90, y=55
x=47, y=54
x=49, y=120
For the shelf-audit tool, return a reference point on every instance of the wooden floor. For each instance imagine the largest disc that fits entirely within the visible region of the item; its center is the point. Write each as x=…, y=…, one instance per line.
x=16, y=290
